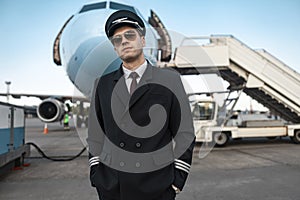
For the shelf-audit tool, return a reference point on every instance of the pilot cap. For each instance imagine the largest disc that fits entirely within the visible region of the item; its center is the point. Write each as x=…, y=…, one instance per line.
x=121, y=18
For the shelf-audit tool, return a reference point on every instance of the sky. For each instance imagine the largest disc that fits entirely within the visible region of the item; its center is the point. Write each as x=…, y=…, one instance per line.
x=29, y=27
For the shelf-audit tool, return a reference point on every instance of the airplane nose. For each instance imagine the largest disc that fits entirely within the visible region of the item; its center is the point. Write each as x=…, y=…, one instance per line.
x=85, y=50
x=93, y=58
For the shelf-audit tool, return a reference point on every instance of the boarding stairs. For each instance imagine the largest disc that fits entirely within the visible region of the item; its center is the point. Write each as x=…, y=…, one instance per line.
x=264, y=77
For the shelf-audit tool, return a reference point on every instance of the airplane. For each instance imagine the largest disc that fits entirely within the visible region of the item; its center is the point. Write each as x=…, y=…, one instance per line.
x=82, y=48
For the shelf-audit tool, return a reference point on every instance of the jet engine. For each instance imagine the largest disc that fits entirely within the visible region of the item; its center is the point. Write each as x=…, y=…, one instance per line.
x=51, y=110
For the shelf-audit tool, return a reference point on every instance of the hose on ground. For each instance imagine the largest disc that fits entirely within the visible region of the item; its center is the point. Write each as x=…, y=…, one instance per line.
x=52, y=158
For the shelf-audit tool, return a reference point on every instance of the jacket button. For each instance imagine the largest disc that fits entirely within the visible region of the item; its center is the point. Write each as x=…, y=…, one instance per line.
x=122, y=144
x=138, y=145
x=137, y=164
x=122, y=164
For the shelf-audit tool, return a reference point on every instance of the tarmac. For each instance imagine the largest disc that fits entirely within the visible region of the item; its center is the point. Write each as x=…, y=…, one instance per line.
x=257, y=169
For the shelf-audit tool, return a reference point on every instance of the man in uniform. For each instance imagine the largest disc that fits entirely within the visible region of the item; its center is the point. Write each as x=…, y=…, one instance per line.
x=141, y=135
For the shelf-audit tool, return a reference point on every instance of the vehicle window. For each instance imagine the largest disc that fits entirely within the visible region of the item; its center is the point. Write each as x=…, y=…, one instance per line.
x=203, y=111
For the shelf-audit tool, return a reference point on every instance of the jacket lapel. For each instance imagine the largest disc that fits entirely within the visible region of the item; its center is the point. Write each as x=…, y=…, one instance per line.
x=120, y=88
x=142, y=86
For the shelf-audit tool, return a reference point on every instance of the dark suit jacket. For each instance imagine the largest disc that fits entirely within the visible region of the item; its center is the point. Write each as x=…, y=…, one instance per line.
x=137, y=149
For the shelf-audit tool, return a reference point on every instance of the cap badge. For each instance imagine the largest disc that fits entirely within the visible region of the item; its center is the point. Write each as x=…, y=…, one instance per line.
x=119, y=20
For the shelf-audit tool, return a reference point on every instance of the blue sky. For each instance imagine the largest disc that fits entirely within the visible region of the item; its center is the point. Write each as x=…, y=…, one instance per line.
x=28, y=29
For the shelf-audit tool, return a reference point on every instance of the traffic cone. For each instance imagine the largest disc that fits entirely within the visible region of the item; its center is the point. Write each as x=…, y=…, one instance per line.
x=45, y=129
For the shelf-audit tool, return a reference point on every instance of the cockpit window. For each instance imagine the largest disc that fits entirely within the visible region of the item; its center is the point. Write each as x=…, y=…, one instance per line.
x=94, y=6
x=118, y=6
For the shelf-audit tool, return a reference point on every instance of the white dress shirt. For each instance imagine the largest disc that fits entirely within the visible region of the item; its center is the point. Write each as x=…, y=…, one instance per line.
x=140, y=71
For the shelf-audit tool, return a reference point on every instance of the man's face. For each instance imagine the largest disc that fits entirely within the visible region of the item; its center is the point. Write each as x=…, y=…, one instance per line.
x=128, y=43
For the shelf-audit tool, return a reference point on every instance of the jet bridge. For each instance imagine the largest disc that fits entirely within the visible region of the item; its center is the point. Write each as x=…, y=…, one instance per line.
x=264, y=77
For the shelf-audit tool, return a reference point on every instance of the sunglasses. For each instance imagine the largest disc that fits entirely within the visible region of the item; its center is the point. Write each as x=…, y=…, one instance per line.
x=129, y=35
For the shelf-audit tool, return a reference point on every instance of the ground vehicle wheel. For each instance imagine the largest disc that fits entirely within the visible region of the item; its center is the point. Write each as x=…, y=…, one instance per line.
x=296, y=137
x=220, y=139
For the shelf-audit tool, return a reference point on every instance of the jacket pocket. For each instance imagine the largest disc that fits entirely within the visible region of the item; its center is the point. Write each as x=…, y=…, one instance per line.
x=164, y=158
x=105, y=158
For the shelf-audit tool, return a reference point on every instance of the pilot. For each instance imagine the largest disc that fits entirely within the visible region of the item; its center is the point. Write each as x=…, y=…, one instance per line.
x=140, y=135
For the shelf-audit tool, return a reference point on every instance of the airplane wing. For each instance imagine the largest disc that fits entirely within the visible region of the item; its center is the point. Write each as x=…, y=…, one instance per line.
x=46, y=96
